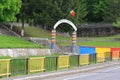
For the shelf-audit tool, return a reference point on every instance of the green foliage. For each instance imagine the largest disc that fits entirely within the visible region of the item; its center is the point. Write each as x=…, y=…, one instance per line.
x=47, y=13
x=113, y=9
x=117, y=23
x=8, y=9
x=96, y=10
x=103, y=10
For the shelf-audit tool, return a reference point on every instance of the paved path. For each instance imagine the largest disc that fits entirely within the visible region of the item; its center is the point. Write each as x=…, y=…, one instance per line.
x=111, y=73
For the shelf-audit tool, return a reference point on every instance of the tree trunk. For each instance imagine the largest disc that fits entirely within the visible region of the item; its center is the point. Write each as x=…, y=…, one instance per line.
x=11, y=25
x=22, y=30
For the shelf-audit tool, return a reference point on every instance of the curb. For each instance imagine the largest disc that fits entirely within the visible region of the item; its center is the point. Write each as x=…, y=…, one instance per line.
x=57, y=74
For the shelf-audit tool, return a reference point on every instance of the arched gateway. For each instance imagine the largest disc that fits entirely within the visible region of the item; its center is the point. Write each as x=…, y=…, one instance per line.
x=53, y=40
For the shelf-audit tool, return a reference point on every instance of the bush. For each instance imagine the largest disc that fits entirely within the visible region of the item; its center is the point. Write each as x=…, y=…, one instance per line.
x=117, y=23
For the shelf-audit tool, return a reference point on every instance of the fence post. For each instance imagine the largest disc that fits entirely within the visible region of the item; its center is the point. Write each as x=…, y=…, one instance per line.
x=8, y=68
x=89, y=59
x=78, y=60
x=111, y=56
x=27, y=66
x=95, y=58
x=44, y=65
x=69, y=62
x=56, y=63
x=119, y=55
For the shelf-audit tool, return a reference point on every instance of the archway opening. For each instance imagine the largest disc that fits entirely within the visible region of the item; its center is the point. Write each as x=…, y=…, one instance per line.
x=53, y=39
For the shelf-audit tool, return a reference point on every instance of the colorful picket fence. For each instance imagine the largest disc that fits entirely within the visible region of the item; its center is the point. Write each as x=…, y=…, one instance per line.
x=14, y=67
x=102, y=53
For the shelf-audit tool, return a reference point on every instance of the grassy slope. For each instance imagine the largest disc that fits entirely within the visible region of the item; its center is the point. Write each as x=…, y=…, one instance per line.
x=66, y=41
x=15, y=42
x=36, y=32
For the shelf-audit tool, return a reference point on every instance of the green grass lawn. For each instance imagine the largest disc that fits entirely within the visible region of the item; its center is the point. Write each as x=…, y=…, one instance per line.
x=66, y=41
x=15, y=42
x=99, y=44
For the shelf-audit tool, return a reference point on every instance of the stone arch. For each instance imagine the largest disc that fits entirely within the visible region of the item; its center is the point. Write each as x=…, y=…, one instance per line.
x=53, y=39
x=65, y=21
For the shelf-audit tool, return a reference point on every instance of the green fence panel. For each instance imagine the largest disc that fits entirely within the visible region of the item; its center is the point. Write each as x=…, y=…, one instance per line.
x=92, y=58
x=50, y=63
x=74, y=61
x=108, y=56
x=18, y=67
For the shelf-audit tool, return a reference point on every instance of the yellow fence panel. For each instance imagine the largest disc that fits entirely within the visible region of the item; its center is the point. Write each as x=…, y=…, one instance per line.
x=36, y=64
x=100, y=57
x=84, y=59
x=63, y=61
x=5, y=67
x=102, y=50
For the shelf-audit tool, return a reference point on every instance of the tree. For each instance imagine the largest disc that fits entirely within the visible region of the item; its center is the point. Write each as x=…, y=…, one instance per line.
x=96, y=10
x=113, y=9
x=48, y=12
x=8, y=9
x=24, y=11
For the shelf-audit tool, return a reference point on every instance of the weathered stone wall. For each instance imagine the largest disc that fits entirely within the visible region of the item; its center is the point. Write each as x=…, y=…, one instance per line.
x=24, y=52
x=65, y=50
x=97, y=30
